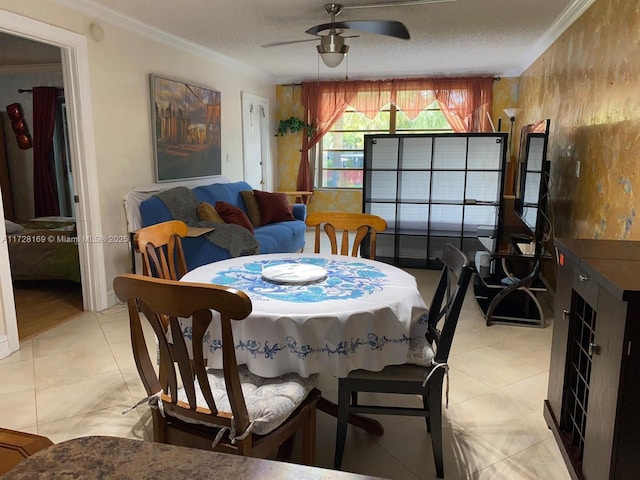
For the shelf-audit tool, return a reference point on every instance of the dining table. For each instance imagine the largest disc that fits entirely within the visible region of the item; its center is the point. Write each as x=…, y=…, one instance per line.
x=315, y=313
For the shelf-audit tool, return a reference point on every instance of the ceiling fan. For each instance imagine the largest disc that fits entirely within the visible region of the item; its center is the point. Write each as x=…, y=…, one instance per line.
x=332, y=47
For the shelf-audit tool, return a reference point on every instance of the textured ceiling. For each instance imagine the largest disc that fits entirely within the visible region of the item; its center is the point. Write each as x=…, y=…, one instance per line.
x=461, y=37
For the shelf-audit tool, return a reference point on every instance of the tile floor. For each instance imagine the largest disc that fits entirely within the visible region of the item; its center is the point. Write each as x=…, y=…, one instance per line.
x=75, y=380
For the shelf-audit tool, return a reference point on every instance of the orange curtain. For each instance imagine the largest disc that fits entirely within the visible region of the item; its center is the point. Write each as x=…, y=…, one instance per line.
x=464, y=102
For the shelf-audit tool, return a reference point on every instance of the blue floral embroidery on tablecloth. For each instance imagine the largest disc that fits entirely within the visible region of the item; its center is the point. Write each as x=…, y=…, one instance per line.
x=345, y=347
x=345, y=280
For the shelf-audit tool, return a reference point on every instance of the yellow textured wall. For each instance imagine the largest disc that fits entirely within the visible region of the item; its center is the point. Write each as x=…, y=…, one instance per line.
x=288, y=103
x=588, y=84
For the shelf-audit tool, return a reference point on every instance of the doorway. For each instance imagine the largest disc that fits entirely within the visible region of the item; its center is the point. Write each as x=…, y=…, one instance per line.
x=256, y=142
x=75, y=69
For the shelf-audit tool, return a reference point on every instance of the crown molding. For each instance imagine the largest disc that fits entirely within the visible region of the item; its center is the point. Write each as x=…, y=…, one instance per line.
x=101, y=13
x=31, y=68
x=570, y=14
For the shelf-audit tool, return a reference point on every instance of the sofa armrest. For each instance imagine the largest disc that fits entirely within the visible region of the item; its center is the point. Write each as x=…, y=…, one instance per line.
x=299, y=211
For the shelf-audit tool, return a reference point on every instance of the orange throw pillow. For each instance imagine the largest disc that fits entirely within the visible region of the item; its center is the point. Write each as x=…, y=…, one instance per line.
x=207, y=213
x=253, y=210
x=274, y=207
x=232, y=214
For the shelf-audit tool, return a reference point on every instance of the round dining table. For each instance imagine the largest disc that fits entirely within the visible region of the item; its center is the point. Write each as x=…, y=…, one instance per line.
x=315, y=313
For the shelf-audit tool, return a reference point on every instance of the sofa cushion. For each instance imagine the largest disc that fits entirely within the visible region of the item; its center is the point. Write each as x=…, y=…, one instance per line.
x=232, y=214
x=274, y=207
x=253, y=210
x=208, y=213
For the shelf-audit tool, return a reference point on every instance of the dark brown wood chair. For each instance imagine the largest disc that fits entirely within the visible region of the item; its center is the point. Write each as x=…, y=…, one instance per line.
x=425, y=379
x=360, y=225
x=161, y=249
x=213, y=409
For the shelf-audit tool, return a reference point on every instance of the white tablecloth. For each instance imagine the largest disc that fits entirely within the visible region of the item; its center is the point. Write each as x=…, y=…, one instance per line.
x=358, y=317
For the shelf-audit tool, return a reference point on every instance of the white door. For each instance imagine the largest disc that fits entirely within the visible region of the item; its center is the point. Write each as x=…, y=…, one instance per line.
x=256, y=142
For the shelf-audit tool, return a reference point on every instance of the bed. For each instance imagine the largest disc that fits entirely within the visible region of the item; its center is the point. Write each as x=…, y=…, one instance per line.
x=44, y=248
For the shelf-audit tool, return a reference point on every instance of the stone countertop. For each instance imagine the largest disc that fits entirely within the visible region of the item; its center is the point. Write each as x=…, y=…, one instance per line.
x=124, y=459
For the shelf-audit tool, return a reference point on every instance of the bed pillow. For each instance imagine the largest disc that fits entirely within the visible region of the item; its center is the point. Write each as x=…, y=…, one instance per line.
x=274, y=207
x=207, y=213
x=12, y=228
x=232, y=214
x=253, y=210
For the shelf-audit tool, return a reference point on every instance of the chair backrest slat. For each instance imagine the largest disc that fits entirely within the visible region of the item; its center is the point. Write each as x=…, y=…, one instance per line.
x=161, y=249
x=447, y=300
x=359, y=225
x=159, y=299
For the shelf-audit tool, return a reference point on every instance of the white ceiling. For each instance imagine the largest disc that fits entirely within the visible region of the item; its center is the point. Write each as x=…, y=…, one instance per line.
x=460, y=37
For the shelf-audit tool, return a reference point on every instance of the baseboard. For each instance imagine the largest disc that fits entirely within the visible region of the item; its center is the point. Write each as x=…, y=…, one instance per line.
x=111, y=298
x=5, y=351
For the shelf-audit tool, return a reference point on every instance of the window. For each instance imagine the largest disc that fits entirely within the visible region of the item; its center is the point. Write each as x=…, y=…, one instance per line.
x=340, y=153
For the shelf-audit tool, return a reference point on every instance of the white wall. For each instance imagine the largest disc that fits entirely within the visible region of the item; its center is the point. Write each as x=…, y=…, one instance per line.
x=119, y=75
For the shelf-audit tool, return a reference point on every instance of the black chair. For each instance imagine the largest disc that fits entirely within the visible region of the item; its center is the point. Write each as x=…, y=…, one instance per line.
x=413, y=379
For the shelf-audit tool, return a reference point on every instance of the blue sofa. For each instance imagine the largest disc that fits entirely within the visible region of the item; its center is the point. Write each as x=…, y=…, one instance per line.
x=280, y=237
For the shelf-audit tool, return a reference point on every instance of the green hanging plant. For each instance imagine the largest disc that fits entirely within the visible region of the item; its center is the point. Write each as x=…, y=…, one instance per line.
x=294, y=125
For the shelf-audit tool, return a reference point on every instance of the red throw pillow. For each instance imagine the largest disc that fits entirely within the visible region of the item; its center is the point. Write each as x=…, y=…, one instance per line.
x=274, y=207
x=232, y=214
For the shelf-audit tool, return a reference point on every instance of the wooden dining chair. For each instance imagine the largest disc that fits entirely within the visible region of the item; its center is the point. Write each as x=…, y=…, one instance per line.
x=425, y=376
x=360, y=225
x=161, y=249
x=228, y=410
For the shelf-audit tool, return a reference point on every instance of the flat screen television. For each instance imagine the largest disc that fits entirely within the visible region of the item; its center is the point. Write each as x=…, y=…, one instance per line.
x=532, y=187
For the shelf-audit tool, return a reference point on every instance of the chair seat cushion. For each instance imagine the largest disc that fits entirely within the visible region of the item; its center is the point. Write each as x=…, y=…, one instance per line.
x=269, y=401
x=420, y=352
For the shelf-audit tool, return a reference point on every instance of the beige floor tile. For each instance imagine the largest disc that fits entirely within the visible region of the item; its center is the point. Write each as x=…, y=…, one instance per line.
x=18, y=410
x=25, y=352
x=491, y=366
x=107, y=421
x=123, y=354
x=543, y=460
x=16, y=376
x=473, y=334
x=499, y=421
x=133, y=383
x=74, y=366
x=56, y=402
x=505, y=469
x=363, y=453
x=463, y=387
x=411, y=444
x=530, y=391
x=117, y=330
x=75, y=334
x=116, y=313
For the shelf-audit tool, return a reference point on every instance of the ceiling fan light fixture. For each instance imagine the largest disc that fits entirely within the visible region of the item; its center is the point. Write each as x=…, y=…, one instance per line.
x=332, y=50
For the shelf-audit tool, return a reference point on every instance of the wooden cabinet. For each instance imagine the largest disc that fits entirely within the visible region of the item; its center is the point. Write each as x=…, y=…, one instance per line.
x=594, y=376
x=433, y=189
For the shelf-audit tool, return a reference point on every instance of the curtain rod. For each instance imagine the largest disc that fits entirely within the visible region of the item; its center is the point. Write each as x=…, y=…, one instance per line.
x=30, y=90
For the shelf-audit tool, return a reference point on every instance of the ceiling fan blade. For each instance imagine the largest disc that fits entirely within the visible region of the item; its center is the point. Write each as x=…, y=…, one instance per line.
x=381, y=27
x=399, y=3
x=277, y=44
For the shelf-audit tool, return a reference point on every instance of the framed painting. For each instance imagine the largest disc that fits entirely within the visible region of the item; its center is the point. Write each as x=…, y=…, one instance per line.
x=185, y=121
